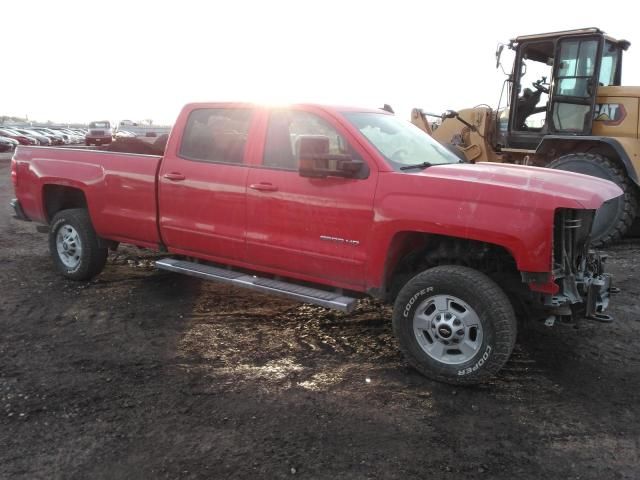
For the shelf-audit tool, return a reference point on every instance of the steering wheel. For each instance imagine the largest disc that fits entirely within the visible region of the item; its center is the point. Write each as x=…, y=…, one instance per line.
x=538, y=85
x=399, y=155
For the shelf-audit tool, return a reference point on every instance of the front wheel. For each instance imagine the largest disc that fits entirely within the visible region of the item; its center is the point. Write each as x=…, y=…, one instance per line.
x=454, y=324
x=74, y=245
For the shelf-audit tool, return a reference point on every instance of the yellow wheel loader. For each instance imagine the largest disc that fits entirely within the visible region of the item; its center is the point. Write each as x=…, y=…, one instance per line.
x=565, y=109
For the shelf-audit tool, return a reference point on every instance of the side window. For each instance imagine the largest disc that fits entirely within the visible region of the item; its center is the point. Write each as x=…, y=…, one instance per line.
x=533, y=88
x=576, y=65
x=287, y=127
x=574, y=86
x=216, y=135
x=609, y=65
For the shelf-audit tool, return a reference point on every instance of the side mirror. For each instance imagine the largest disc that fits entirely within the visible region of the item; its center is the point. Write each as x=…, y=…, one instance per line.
x=327, y=165
x=499, y=54
x=317, y=162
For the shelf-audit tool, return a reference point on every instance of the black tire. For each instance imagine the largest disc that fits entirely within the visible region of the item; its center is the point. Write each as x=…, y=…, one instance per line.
x=486, y=300
x=614, y=219
x=91, y=257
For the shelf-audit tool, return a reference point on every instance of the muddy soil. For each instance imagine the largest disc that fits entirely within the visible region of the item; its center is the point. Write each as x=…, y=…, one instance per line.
x=148, y=374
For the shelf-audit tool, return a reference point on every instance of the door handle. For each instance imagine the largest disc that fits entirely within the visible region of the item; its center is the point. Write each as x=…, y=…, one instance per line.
x=264, y=187
x=174, y=176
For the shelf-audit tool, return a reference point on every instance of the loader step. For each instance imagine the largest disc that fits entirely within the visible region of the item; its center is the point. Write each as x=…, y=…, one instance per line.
x=301, y=293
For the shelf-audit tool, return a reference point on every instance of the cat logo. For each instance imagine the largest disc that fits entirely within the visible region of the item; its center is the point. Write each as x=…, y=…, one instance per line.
x=609, y=113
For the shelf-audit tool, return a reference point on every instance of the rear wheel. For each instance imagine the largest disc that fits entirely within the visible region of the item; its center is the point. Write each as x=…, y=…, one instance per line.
x=615, y=217
x=74, y=245
x=454, y=324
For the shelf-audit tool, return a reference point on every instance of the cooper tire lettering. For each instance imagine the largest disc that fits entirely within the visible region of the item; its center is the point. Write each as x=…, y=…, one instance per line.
x=479, y=363
x=413, y=300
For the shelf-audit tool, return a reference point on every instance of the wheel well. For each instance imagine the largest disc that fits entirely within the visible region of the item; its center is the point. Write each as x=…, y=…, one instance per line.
x=411, y=253
x=61, y=197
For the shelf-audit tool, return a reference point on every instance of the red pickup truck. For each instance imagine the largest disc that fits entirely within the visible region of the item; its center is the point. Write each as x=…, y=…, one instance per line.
x=327, y=204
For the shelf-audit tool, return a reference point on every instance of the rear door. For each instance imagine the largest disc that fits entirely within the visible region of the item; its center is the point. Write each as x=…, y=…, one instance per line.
x=202, y=184
x=309, y=228
x=576, y=68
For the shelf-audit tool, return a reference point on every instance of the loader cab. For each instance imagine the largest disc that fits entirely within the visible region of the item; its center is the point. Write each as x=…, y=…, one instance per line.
x=554, y=83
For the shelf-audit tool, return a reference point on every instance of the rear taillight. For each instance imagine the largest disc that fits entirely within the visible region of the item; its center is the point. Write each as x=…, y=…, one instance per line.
x=14, y=172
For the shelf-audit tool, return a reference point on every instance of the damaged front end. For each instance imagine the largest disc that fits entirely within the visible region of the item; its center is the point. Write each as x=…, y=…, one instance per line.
x=584, y=288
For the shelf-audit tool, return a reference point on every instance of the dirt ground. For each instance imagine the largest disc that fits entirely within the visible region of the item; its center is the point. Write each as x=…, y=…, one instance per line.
x=148, y=374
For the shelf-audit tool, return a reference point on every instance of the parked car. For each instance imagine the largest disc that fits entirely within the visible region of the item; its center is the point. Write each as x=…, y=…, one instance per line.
x=65, y=137
x=55, y=137
x=324, y=205
x=8, y=144
x=42, y=139
x=124, y=134
x=20, y=137
x=100, y=133
x=73, y=136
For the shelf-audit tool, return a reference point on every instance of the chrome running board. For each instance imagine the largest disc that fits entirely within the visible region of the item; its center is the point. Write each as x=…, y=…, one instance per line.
x=300, y=293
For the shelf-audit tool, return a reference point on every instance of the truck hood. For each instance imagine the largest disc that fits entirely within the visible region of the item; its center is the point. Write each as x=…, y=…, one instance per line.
x=485, y=181
x=506, y=205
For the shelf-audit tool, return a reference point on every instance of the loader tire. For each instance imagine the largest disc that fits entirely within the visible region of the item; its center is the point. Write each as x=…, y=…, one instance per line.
x=615, y=217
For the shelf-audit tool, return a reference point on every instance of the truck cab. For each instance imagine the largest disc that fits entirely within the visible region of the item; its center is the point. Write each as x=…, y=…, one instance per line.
x=100, y=133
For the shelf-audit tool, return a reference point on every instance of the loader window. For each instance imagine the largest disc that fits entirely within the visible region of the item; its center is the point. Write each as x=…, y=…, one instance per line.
x=575, y=67
x=574, y=85
x=533, y=86
x=609, y=65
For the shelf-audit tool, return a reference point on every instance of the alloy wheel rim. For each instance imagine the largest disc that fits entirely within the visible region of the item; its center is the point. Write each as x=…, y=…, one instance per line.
x=69, y=246
x=448, y=329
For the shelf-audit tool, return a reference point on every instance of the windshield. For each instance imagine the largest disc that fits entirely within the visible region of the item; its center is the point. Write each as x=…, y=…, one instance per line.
x=400, y=142
x=99, y=125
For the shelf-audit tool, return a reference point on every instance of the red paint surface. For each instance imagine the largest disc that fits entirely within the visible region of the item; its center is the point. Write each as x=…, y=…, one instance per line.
x=272, y=220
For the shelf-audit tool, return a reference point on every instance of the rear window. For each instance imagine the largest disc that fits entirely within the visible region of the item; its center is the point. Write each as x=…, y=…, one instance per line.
x=216, y=135
x=99, y=125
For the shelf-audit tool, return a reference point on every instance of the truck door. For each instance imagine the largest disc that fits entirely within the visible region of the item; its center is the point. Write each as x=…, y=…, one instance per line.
x=575, y=84
x=201, y=185
x=308, y=228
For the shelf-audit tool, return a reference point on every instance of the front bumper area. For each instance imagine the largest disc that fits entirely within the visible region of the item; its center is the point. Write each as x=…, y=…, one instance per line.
x=584, y=293
x=98, y=140
x=582, y=286
x=598, y=293
x=17, y=210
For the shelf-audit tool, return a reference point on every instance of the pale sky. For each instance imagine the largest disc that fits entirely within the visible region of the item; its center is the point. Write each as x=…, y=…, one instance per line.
x=84, y=60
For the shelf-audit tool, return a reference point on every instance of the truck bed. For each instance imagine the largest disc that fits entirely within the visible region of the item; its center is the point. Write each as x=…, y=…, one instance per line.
x=119, y=189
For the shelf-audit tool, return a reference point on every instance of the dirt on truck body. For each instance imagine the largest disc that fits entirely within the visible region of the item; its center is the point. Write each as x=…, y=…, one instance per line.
x=141, y=373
